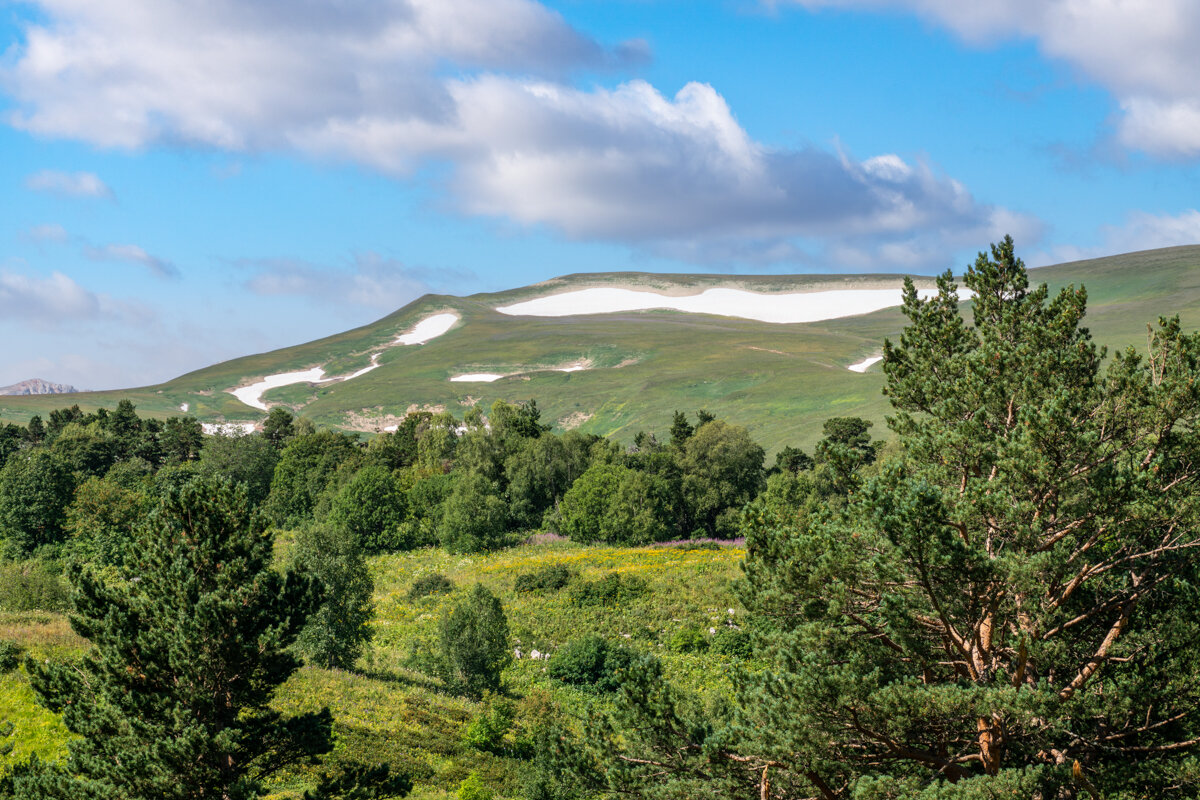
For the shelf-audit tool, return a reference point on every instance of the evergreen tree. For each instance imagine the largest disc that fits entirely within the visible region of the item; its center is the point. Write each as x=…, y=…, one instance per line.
x=681, y=429
x=1008, y=609
x=172, y=701
x=278, y=427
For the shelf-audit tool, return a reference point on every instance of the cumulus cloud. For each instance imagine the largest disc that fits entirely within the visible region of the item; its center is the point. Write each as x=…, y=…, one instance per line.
x=1139, y=231
x=68, y=184
x=58, y=300
x=132, y=254
x=370, y=281
x=246, y=75
x=1145, y=53
x=668, y=174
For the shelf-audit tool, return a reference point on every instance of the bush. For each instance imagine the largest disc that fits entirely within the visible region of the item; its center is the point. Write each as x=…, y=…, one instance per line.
x=689, y=640
x=487, y=731
x=337, y=632
x=371, y=507
x=10, y=656
x=732, y=642
x=551, y=578
x=473, y=789
x=473, y=635
x=591, y=663
x=32, y=586
x=433, y=583
x=474, y=517
x=615, y=504
x=610, y=590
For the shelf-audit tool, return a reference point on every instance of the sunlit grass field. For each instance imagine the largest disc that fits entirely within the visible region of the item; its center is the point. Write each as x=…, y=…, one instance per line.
x=387, y=711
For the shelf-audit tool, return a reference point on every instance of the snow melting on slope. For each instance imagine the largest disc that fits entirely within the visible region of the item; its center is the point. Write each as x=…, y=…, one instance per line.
x=762, y=306
x=477, y=377
x=425, y=330
x=428, y=328
x=252, y=395
x=865, y=364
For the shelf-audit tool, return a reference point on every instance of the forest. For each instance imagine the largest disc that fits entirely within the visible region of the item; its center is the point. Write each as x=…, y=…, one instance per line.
x=996, y=597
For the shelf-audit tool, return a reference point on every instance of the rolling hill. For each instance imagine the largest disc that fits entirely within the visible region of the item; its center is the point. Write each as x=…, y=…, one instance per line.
x=620, y=372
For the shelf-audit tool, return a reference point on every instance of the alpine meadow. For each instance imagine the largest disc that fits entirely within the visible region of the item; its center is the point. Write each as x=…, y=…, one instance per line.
x=599, y=400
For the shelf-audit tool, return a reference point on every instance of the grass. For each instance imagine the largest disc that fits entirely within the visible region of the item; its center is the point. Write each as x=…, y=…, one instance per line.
x=781, y=381
x=387, y=711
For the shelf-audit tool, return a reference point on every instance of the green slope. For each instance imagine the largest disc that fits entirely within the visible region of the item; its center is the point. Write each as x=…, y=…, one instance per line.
x=780, y=380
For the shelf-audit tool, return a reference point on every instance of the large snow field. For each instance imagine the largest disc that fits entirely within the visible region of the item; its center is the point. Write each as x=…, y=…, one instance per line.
x=779, y=307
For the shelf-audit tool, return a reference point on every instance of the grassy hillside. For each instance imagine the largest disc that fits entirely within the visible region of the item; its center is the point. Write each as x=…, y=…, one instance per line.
x=781, y=381
x=392, y=713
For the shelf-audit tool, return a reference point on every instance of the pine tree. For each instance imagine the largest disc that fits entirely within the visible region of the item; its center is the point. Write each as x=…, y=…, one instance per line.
x=172, y=701
x=1009, y=609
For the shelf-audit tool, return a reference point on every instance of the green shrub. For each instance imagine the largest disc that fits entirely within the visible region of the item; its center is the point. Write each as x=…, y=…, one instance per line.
x=487, y=731
x=610, y=590
x=732, y=642
x=473, y=789
x=474, y=517
x=32, y=586
x=371, y=507
x=689, y=640
x=591, y=663
x=10, y=656
x=433, y=583
x=551, y=578
x=473, y=638
x=338, y=631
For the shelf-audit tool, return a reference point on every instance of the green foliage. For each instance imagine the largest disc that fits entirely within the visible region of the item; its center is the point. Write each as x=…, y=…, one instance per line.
x=173, y=699
x=722, y=470
x=356, y=781
x=540, y=472
x=338, y=631
x=87, y=451
x=182, y=439
x=972, y=622
x=473, y=788
x=473, y=640
x=611, y=590
x=618, y=505
x=488, y=730
x=474, y=517
x=306, y=466
x=35, y=489
x=547, y=579
x=371, y=508
x=245, y=458
x=101, y=520
x=592, y=663
x=430, y=584
x=278, y=427
x=732, y=642
x=10, y=656
x=32, y=586
x=688, y=640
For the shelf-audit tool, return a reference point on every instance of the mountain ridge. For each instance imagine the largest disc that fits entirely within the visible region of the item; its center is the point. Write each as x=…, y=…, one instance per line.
x=617, y=373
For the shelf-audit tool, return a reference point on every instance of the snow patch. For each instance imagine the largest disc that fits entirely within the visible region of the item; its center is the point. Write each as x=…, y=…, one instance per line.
x=764, y=307
x=477, y=377
x=865, y=364
x=228, y=428
x=183, y=407
x=427, y=329
x=252, y=395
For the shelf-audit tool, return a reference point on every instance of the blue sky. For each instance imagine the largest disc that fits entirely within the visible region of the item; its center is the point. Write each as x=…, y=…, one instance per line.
x=188, y=181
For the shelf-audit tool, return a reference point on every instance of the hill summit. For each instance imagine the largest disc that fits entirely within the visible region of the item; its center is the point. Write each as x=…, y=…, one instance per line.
x=37, y=386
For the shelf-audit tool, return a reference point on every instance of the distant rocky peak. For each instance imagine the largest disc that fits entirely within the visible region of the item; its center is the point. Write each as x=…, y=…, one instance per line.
x=37, y=386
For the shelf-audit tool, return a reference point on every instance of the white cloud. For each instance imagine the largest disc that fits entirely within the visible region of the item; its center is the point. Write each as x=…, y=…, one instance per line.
x=68, y=184
x=57, y=301
x=1140, y=231
x=132, y=254
x=248, y=75
x=1144, y=52
x=627, y=164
